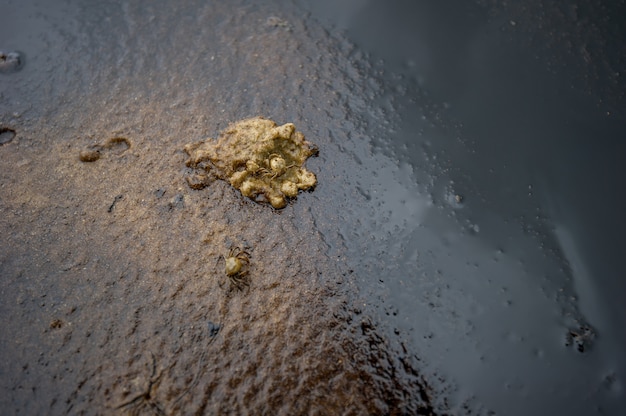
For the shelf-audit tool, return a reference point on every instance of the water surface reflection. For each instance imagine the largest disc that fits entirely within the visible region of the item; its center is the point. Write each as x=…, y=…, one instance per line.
x=507, y=278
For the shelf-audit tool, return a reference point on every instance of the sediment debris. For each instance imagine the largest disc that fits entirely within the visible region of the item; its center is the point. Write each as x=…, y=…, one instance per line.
x=263, y=160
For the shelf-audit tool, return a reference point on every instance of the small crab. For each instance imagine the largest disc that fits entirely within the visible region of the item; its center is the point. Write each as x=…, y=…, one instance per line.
x=276, y=166
x=236, y=267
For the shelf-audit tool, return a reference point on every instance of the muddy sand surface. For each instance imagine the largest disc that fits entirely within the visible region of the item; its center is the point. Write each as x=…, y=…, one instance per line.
x=461, y=252
x=113, y=296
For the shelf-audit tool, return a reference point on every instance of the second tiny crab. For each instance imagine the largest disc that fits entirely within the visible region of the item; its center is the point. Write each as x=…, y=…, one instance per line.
x=236, y=267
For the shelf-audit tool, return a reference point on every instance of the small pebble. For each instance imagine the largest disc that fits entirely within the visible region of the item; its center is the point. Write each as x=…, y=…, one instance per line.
x=214, y=329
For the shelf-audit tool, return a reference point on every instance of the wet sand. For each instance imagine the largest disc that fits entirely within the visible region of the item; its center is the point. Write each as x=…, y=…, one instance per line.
x=113, y=298
x=444, y=264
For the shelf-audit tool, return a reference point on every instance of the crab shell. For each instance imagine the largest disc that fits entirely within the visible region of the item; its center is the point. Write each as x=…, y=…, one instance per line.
x=233, y=266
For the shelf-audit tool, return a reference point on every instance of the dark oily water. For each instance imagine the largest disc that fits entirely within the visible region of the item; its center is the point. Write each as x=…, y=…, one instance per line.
x=114, y=295
x=490, y=228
